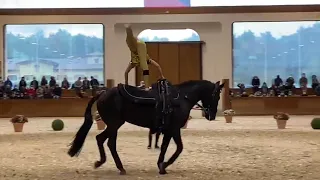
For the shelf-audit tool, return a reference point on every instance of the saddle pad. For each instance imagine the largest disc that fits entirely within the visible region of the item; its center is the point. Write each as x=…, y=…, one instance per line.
x=137, y=95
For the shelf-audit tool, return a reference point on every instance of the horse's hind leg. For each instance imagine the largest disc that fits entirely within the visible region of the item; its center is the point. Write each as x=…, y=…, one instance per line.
x=157, y=140
x=101, y=138
x=150, y=139
x=112, y=144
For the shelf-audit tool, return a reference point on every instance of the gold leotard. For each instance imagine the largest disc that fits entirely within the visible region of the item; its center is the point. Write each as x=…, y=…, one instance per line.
x=139, y=56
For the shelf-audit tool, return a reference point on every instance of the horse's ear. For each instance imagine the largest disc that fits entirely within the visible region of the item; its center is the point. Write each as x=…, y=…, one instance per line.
x=221, y=86
x=218, y=82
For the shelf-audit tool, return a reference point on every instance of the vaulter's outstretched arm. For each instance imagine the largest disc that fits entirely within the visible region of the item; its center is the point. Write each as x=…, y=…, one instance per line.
x=155, y=64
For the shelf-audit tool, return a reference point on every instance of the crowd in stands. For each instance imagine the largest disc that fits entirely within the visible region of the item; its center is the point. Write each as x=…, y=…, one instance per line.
x=45, y=89
x=286, y=87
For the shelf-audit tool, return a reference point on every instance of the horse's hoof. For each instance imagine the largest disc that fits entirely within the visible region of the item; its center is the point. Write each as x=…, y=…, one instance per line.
x=97, y=164
x=149, y=147
x=123, y=172
x=162, y=168
x=157, y=147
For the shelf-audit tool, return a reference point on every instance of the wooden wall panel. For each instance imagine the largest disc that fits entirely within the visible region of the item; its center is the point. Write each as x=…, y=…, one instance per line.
x=169, y=61
x=189, y=61
x=153, y=51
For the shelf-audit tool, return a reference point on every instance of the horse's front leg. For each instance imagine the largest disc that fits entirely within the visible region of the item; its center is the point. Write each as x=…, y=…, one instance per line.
x=164, y=146
x=177, y=139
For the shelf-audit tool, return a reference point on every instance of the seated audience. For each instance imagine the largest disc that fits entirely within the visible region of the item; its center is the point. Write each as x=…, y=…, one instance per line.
x=52, y=82
x=315, y=82
x=31, y=92
x=47, y=94
x=40, y=92
x=65, y=84
x=77, y=87
x=255, y=84
x=289, y=83
x=303, y=81
x=57, y=92
x=94, y=84
x=85, y=84
x=44, y=81
x=8, y=83
x=34, y=83
x=264, y=88
x=278, y=81
x=22, y=85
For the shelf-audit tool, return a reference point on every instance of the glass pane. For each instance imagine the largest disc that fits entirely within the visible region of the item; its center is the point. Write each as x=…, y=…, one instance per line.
x=268, y=49
x=149, y=35
x=59, y=50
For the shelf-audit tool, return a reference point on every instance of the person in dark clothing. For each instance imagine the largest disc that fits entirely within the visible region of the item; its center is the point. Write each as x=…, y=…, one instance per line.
x=22, y=85
x=315, y=82
x=290, y=82
x=278, y=81
x=85, y=84
x=8, y=83
x=52, y=82
x=303, y=81
x=65, y=84
x=255, y=84
x=57, y=92
x=95, y=85
x=34, y=83
x=44, y=81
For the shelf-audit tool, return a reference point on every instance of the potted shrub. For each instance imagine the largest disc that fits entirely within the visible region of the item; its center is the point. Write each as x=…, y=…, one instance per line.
x=228, y=115
x=186, y=125
x=281, y=119
x=100, y=124
x=18, y=122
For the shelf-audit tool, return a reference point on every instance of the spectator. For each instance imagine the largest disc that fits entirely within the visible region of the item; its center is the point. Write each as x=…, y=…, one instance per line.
x=52, y=82
x=47, y=92
x=85, y=84
x=289, y=83
x=1, y=88
x=65, y=83
x=315, y=82
x=22, y=85
x=264, y=88
x=57, y=92
x=31, y=92
x=303, y=81
x=44, y=81
x=278, y=81
x=255, y=84
x=34, y=83
x=40, y=92
x=77, y=87
x=95, y=85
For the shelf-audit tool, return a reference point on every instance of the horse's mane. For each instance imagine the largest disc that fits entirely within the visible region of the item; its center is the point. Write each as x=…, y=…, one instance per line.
x=191, y=83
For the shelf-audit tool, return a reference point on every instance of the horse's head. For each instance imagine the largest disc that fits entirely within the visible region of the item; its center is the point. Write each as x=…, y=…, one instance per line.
x=210, y=96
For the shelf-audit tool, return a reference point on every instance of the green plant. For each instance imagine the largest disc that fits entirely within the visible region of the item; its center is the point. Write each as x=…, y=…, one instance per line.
x=315, y=123
x=57, y=125
x=281, y=116
x=19, y=119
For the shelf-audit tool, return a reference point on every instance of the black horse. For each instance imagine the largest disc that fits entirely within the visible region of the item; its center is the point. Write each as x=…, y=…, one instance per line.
x=137, y=107
x=156, y=146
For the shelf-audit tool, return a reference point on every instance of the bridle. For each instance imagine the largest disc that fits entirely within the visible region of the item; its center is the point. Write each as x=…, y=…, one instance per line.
x=206, y=110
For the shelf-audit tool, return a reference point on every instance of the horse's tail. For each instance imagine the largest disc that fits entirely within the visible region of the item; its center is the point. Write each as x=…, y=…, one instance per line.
x=81, y=135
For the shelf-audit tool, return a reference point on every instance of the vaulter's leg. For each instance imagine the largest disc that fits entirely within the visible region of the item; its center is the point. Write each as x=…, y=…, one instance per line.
x=142, y=52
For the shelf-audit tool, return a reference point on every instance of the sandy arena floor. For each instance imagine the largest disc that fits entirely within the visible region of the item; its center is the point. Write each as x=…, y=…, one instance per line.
x=250, y=148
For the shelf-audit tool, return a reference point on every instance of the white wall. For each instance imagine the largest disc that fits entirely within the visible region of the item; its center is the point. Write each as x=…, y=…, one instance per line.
x=214, y=29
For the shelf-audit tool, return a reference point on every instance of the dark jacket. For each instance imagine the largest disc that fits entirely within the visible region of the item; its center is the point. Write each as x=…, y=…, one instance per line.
x=35, y=84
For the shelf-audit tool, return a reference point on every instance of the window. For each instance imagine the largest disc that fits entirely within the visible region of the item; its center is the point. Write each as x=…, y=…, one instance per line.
x=15, y=4
x=267, y=49
x=57, y=50
x=149, y=35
